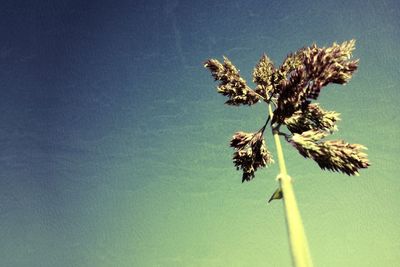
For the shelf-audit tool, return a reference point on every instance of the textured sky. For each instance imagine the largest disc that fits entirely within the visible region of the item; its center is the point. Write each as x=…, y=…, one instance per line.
x=114, y=143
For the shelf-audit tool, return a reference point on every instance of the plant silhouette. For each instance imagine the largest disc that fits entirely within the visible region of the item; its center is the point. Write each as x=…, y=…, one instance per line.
x=288, y=92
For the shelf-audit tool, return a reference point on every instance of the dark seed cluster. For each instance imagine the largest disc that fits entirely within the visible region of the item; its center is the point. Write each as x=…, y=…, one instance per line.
x=250, y=154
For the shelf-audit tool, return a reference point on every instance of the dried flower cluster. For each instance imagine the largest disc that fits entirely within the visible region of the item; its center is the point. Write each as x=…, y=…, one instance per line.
x=313, y=117
x=291, y=88
x=231, y=84
x=308, y=71
x=263, y=76
x=250, y=154
x=335, y=155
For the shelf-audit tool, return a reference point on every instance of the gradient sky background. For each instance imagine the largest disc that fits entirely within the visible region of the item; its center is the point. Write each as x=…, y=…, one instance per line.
x=114, y=143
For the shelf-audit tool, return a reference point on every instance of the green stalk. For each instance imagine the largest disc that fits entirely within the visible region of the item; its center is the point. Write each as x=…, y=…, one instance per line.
x=298, y=241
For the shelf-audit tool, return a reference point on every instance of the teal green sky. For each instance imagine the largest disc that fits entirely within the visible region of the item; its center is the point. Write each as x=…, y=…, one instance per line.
x=114, y=145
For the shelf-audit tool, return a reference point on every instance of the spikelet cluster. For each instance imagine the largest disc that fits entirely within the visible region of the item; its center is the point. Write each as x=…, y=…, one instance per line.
x=231, y=84
x=309, y=71
x=250, y=153
x=334, y=155
x=312, y=117
x=263, y=77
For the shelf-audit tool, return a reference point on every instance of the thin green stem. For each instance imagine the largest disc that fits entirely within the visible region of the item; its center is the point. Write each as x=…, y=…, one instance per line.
x=298, y=240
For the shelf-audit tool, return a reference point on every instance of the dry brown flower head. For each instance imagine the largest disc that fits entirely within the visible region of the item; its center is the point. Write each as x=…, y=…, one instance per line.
x=291, y=88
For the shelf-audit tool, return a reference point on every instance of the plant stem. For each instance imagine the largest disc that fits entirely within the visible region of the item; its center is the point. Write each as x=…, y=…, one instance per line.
x=298, y=241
